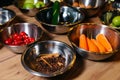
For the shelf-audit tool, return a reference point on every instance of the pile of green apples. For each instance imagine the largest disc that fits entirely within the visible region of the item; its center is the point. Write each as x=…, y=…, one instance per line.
x=30, y=4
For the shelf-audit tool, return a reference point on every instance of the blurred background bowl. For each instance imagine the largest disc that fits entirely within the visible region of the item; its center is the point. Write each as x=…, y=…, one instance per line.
x=30, y=29
x=48, y=47
x=111, y=15
x=90, y=7
x=68, y=17
x=6, y=17
x=92, y=30
x=31, y=7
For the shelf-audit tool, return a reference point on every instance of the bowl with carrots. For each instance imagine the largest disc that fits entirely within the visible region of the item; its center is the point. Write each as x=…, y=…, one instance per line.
x=94, y=41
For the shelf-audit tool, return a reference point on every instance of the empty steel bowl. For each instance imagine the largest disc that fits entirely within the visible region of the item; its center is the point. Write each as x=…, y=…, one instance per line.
x=31, y=8
x=92, y=30
x=68, y=17
x=6, y=16
x=90, y=7
x=46, y=48
x=30, y=29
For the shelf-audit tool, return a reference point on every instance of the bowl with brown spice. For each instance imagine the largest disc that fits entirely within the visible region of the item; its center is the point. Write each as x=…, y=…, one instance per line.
x=48, y=58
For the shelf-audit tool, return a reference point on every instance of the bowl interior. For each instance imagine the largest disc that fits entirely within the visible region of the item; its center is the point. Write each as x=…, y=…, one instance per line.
x=6, y=15
x=30, y=29
x=47, y=47
x=68, y=16
x=91, y=30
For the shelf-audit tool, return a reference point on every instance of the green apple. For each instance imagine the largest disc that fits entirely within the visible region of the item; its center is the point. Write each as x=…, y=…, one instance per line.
x=39, y=4
x=28, y=6
x=116, y=21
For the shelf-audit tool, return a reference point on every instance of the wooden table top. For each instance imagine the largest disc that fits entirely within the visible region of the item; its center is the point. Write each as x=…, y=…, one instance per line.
x=12, y=69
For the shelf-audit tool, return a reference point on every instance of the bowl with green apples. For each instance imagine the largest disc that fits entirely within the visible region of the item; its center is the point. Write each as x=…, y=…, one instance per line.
x=31, y=7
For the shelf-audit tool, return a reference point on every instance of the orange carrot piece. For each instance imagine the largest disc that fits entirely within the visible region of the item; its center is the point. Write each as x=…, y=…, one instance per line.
x=103, y=40
x=83, y=42
x=91, y=46
x=100, y=47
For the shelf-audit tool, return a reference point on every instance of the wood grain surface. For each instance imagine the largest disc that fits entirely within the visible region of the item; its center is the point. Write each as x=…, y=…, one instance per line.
x=83, y=69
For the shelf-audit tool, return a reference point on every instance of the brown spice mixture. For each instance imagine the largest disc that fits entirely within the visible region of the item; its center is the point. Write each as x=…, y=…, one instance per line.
x=49, y=63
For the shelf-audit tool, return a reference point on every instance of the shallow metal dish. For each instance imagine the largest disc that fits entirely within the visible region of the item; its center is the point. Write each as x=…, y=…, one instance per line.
x=47, y=47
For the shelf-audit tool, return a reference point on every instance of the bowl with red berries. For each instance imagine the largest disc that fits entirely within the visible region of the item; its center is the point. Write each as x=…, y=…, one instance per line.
x=19, y=36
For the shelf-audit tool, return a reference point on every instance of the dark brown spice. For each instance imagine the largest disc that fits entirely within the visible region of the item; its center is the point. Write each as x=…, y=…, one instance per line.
x=49, y=63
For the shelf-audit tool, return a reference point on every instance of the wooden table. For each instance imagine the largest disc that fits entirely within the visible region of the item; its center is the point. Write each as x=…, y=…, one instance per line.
x=12, y=69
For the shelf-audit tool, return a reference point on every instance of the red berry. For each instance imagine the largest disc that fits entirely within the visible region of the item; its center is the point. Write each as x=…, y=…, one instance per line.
x=8, y=41
x=22, y=33
x=15, y=35
x=31, y=40
x=25, y=36
x=19, y=37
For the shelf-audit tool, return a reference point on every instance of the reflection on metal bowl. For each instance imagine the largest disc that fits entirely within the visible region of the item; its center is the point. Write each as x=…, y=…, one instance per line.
x=6, y=16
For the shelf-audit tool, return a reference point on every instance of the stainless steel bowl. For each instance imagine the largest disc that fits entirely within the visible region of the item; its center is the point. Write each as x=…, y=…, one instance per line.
x=68, y=18
x=31, y=29
x=92, y=30
x=46, y=48
x=91, y=7
x=30, y=11
x=6, y=16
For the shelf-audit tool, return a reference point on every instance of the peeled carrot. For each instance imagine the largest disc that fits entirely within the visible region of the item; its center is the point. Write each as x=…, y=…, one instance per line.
x=91, y=46
x=100, y=47
x=103, y=40
x=83, y=42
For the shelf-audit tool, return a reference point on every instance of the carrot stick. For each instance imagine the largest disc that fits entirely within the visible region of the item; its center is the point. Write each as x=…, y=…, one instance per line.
x=83, y=42
x=100, y=47
x=91, y=46
x=103, y=40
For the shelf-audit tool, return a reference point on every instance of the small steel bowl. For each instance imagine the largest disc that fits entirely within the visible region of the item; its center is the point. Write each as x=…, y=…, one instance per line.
x=30, y=11
x=30, y=29
x=6, y=17
x=90, y=7
x=93, y=29
x=68, y=18
x=48, y=47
